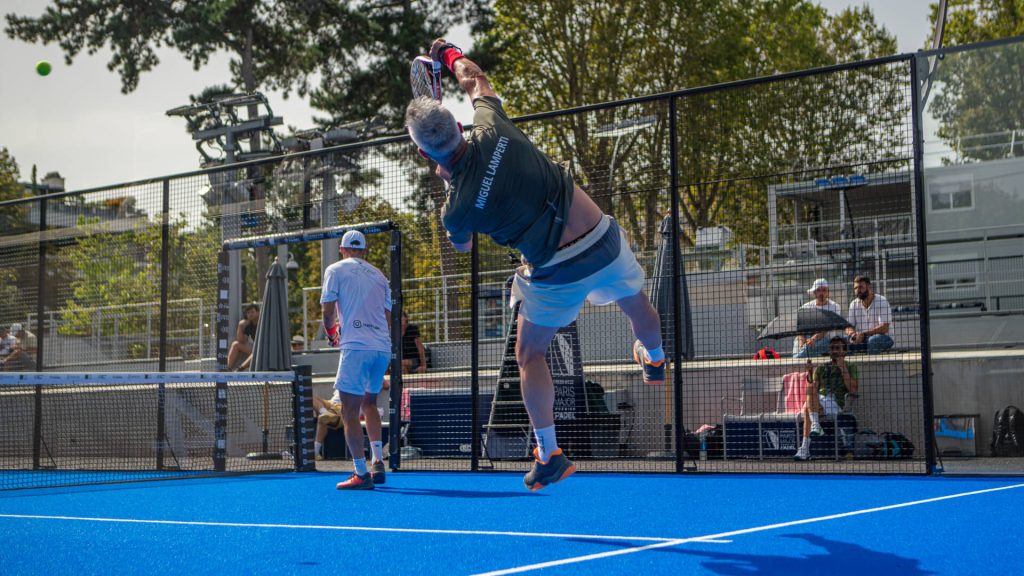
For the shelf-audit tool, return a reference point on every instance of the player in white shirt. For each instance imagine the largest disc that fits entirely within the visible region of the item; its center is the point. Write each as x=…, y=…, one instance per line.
x=356, y=301
x=871, y=317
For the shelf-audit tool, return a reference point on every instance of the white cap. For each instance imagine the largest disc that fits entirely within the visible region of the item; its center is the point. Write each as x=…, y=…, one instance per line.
x=353, y=239
x=819, y=283
x=298, y=340
x=15, y=327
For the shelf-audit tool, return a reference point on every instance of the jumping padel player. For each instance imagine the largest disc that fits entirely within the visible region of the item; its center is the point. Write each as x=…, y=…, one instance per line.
x=501, y=185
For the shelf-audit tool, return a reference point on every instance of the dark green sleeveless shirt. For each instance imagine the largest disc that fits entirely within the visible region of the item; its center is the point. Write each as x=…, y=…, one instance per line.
x=503, y=186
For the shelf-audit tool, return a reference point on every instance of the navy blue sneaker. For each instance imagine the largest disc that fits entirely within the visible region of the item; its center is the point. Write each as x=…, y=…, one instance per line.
x=377, y=472
x=556, y=469
x=654, y=372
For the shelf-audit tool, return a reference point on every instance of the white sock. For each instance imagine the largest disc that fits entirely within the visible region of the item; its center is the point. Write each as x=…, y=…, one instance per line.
x=814, y=419
x=807, y=443
x=318, y=448
x=377, y=448
x=360, y=465
x=546, y=442
x=656, y=354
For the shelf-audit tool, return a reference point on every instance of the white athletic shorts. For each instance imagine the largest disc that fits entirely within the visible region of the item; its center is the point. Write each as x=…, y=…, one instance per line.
x=829, y=405
x=361, y=372
x=599, y=267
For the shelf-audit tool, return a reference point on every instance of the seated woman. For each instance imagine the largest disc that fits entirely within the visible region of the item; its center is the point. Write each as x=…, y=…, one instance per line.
x=414, y=356
x=245, y=334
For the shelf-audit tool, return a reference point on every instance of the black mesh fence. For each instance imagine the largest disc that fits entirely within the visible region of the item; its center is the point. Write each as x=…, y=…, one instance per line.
x=737, y=201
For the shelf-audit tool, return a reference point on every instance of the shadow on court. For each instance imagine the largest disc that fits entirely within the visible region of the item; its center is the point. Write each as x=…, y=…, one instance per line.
x=440, y=493
x=838, y=559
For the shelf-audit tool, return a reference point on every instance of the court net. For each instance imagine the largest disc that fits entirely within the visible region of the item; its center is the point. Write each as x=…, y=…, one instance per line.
x=62, y=429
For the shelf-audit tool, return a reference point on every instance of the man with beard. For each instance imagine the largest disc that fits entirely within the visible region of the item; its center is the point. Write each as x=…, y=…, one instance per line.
x=871, y=317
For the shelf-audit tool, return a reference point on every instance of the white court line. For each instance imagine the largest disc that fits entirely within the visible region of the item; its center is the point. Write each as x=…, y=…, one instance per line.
x=671, y=543
x=347, y=528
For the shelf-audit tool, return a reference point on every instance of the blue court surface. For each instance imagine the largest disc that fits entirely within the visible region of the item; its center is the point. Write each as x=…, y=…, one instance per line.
x=463, y=523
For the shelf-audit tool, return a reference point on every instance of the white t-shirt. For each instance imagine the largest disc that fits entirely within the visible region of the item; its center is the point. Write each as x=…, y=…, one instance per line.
x=7, y=345
x=831, y=306
x=867, y=318
x=363, y=294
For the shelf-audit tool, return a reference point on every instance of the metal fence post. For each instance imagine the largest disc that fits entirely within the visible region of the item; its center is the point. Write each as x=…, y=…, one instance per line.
x=165, y=251
x=677, y=316
x=922, y=263
x=397, y=304
x=37, y=427
x=474, y=355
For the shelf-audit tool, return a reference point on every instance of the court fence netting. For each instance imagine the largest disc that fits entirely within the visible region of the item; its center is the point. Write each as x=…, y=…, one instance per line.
x=736, y=198
x=66, y=429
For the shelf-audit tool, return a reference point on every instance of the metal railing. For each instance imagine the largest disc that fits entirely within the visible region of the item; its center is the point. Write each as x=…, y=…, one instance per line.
x=429, y=308
x=111, y=331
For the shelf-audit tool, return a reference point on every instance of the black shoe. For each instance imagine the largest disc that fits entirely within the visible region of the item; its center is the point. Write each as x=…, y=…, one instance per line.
x=377, y=472
x=556, y=469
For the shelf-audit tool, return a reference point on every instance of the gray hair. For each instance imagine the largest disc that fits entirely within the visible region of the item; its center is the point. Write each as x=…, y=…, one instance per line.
x=432, y=127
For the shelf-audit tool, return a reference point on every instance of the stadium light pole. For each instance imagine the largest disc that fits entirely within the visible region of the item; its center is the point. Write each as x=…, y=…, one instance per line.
x=617, y=130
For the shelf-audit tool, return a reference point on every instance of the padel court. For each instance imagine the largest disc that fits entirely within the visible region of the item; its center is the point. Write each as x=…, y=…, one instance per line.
x=464, y=523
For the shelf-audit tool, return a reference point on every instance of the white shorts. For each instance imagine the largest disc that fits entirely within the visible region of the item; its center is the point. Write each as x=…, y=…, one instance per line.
x=361, y=372
x=600, y=267
x=829, y=405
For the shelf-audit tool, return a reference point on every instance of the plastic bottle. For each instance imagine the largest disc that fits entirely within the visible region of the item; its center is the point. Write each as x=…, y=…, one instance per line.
x=703, y=446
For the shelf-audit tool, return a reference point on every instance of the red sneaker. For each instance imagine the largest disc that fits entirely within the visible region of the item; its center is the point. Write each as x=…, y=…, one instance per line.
x=357, y=482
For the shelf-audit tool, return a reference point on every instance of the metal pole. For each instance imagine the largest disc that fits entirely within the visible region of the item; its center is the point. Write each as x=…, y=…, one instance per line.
x=41, y=280
x=677, y=316
x=922, y=261
x=165, y=251
x=37, y=426
x=225, y=277
x=474, y=355
x=444, y=293
x=395, y=401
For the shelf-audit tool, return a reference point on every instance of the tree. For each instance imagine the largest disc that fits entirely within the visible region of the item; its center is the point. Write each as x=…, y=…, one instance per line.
x=978, y=98
x=588, y=52
x=11, y=217
x=13, y=257
x=374, y=81
x=117, y=268
x=275, y=44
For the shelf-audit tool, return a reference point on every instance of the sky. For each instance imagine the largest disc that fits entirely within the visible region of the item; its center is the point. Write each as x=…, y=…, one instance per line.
x=77, y=122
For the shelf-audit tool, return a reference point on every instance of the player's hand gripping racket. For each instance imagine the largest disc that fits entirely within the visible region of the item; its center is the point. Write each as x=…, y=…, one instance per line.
x=425, y=78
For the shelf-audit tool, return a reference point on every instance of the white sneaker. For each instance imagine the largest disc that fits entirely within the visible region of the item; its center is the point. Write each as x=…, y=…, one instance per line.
x=816, y=429
x=803, y=453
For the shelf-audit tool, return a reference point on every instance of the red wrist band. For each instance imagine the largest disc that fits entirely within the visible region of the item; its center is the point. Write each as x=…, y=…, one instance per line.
x=449, y=57
x=332, y=330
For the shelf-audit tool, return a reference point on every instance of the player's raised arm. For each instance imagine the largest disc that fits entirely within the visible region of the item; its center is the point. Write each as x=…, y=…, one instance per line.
x=471, y=78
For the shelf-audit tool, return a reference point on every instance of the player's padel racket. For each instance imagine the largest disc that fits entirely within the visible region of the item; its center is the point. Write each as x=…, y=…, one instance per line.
x=425, y=78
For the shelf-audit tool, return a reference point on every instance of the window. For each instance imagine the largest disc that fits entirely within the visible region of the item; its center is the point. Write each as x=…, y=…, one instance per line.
x=955, y=275
x=948, y=194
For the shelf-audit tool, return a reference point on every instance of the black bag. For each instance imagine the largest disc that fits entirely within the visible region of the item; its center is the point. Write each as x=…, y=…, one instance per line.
x=867, y=444
x=896, y=445
x=691, y=444
x=595, y=397
x=715, y=441
x=1008, y=432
